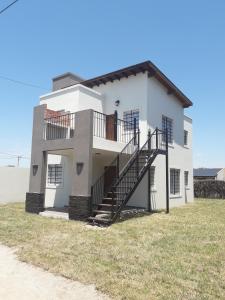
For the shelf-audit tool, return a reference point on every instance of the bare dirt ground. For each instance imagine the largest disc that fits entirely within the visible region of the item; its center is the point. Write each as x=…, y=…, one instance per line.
x=19, y=280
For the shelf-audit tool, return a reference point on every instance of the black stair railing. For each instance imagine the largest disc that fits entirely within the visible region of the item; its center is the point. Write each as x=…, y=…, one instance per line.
x=155, y=143
x=112, y=172
x=131, y=176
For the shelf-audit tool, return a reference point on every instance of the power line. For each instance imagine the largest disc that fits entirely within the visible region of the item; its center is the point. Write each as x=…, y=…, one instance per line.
x=21, y=157
x=14, y=80
x=13, y=156
x=22, y=82
x=4, y=9
x=9, y=155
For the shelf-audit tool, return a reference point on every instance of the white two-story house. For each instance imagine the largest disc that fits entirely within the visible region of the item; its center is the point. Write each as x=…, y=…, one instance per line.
x=115, y=141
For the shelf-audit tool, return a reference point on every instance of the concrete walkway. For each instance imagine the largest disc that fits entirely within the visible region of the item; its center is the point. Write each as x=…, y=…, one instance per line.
x=54, y=214
x=21, y=281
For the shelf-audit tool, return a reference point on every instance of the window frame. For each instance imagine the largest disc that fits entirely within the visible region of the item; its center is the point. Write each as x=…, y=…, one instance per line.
x=128, y=117
x=165, y=121
x=152, y=178
x=175, y=186
x=57, y=179
x=185, y=138
x=186, y=179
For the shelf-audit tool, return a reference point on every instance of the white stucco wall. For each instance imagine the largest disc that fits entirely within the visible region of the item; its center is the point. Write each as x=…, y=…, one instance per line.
x=180, y=157
x=73, y=99
x=188, y=160
x=104, y=144
x=132, y=94
x=14, y=184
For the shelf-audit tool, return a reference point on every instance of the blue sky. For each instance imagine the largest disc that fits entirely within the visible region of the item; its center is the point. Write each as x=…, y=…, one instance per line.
x=43, y=38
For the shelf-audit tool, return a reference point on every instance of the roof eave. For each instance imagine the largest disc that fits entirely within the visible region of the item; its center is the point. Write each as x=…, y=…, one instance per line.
x=152, y=70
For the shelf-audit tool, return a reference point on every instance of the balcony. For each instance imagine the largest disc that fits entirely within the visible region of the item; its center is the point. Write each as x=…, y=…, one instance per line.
x=111, y=128
x=59, y=125
x=107, y=132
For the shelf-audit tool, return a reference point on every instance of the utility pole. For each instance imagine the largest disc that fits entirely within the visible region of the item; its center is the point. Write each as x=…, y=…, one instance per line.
x=18, y=160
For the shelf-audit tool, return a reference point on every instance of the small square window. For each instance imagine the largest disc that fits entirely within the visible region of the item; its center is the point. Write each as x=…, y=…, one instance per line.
x=55, y=174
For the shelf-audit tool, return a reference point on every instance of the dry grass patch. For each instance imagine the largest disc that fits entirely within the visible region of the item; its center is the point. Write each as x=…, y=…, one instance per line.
x=175, y=256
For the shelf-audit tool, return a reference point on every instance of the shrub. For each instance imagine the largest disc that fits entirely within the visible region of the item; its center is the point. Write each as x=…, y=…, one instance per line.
x=209, y=189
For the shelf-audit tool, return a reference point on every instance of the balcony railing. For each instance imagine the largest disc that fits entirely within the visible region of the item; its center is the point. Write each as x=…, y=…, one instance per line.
x=59, y=127
x=111, y=128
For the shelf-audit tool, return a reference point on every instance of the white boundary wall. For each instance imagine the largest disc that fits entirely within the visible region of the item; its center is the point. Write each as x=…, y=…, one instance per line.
x=14, y=183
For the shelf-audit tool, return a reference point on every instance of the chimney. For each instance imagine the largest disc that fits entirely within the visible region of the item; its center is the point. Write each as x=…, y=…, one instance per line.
x=65, y=80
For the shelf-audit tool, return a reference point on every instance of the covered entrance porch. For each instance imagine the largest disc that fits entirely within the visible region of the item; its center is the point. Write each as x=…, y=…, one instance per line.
x=58, y=185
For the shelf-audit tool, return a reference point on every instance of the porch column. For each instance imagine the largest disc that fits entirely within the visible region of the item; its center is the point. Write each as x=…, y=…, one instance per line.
x=79, y=203
x=35, y=196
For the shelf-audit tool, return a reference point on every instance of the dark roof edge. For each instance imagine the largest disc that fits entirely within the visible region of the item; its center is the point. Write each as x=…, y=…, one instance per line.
x=207, y=172
x=138, y=68
x=173, y=86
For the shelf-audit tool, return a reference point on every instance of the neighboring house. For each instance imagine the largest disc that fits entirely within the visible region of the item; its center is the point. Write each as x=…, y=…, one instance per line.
x=221, y=175
x=209, y=174
x=100, y=145
x=14, y=184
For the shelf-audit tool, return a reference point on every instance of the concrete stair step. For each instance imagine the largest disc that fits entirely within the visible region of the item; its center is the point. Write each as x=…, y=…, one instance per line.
x=102, y=211
x=108, y=201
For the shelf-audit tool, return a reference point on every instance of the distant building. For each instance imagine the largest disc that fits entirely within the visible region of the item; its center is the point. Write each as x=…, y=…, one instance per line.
x=221, y=175
x=209, y=174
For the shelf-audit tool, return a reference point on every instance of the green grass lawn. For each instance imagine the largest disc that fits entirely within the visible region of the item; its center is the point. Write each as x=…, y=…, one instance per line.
x=175, y=256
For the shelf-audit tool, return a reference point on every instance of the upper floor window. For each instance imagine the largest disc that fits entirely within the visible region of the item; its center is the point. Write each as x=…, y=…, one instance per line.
x=55, y=174
x=152, y=177
x=167, y=124
x=129, y=116
x=185, y=137
x=186, y=178
x=174, y=181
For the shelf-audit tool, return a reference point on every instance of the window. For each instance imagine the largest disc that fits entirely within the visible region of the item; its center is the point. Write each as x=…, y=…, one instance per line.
x=167, y=124
x=174, y=181
x=55, y=174
x=186, y=178
x=129, y=116
x=185, y=137
x=152, y=177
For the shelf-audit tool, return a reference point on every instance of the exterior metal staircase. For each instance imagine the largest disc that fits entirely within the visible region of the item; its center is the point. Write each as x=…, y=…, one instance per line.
x=129, y=167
